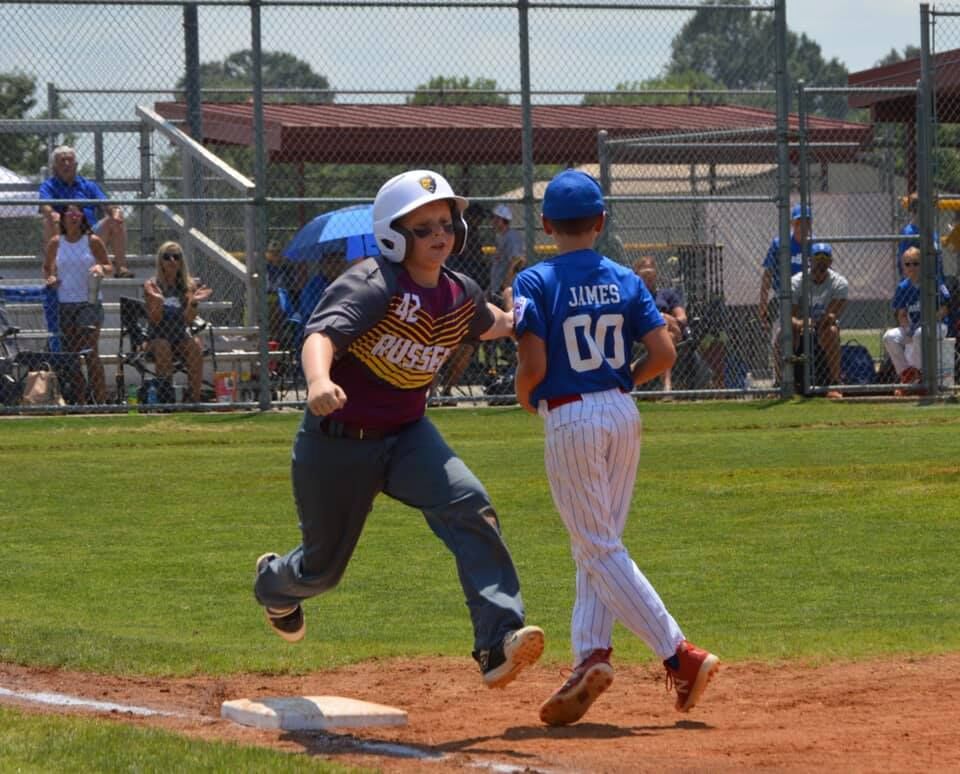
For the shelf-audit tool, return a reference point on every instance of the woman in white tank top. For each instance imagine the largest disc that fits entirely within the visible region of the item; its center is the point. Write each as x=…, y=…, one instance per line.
x=74, y=259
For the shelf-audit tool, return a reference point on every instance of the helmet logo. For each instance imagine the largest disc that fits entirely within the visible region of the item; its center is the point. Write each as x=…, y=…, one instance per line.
x=427, y=183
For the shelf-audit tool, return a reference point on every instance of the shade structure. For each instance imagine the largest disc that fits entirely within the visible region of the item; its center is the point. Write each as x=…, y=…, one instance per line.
x=347, y=231
x=16, y=210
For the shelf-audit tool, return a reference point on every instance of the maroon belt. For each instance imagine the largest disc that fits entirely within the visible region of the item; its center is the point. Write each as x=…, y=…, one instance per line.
x=563, y=400
x=336, y=429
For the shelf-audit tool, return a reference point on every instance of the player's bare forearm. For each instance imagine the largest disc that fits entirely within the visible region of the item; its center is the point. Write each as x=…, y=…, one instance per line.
x=323, y=395
x=661, y=355
x=531, y=368
x=502, y=324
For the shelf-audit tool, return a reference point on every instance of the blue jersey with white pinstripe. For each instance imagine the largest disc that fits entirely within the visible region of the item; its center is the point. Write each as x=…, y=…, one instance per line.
x=589, y=310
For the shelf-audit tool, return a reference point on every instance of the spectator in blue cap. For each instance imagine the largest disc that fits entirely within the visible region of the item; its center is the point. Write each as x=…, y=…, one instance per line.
x=800, y=230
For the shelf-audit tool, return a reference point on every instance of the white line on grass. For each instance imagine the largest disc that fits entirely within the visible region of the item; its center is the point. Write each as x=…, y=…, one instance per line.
x=64, y=700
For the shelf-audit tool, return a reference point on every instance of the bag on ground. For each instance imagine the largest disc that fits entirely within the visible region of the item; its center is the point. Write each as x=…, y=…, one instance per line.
x=42, y=388
x=856, y=364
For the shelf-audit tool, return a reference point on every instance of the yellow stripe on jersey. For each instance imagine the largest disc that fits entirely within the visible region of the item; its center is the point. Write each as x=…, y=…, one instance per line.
x=407, y=354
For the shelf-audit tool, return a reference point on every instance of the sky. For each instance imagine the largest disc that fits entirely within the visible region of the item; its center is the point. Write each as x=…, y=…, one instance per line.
x=859, y=32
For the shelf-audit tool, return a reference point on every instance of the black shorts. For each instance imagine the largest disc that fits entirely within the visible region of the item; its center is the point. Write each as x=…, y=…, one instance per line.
x=80, y=315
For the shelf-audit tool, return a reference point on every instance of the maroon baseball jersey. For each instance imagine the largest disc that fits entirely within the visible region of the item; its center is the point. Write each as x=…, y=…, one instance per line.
x=392, y=336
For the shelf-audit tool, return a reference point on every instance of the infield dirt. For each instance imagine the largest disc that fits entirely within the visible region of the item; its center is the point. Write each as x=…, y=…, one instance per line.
x=891, y=715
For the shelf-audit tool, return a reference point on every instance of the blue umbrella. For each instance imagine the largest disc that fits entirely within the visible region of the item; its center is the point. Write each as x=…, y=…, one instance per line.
x=348, y=231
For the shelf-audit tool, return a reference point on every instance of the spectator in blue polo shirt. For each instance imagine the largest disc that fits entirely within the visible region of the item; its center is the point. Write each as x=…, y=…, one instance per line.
x=65, y=183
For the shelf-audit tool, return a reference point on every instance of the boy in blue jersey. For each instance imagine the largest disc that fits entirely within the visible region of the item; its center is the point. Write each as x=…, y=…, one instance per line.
x=903, y=342
x=576, y=316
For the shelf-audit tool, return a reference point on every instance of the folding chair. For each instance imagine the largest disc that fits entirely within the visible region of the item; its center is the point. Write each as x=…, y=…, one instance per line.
x=132, y=349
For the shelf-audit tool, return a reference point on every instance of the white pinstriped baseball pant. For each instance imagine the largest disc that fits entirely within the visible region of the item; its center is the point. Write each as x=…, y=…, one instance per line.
x=592, y=450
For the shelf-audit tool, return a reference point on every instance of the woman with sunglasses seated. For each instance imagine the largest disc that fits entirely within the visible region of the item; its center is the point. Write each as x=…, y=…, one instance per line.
x=74, y=263
x=172, y=298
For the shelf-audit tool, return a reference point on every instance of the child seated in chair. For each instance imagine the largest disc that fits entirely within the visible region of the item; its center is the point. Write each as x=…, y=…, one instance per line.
x=172, y=298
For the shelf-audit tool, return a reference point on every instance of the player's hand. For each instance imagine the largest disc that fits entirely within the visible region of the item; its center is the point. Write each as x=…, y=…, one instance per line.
x=324, y=397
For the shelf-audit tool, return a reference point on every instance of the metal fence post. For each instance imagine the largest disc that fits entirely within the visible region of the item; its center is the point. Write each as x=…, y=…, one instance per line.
x=256, y=262
x=526, y=139
x=928, y=267
x=809, y=367
x=782, y=79
x=53, y=111
x=191, y=45
x=146, y=191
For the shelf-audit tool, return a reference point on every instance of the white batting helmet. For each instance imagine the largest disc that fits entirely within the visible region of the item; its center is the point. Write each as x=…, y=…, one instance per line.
x=403, y=194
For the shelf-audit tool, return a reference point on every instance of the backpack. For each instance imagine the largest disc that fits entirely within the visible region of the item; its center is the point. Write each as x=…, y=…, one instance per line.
x=856, y=364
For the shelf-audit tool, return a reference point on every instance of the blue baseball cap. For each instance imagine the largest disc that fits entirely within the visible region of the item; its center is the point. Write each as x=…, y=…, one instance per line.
x=798, y=211
x=821, y=248
x=572, y=194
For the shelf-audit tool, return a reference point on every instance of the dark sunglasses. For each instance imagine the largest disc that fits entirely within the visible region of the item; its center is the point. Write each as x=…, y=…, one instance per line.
x=422, y=232
x=911, y=263
x=171, y=256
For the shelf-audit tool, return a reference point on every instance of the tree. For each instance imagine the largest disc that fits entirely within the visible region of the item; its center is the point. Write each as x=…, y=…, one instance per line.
x=626, y=93
x=20, y=152
x=736, y=48
x=443, y=90
x=281, y=70
x=894, y=56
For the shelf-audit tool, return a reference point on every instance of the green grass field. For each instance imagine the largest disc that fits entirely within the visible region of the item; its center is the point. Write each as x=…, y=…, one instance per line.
x=803, y=530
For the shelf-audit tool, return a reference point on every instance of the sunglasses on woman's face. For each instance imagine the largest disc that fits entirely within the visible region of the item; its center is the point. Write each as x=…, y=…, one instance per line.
x=911, y=263
x=171, y=256
x=74, y=214
x=426, y=230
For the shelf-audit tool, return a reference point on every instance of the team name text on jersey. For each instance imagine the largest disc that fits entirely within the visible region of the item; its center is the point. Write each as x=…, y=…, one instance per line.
x=408, y=354
x=591, y=295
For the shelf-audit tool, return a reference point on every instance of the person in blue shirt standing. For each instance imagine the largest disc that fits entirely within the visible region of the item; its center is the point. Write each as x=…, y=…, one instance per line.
x=65, y=183
x=800, y=230
x=911, y=232
x=576, y=316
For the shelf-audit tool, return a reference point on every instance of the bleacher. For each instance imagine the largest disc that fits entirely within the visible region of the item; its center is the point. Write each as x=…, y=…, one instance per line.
x=235, y=346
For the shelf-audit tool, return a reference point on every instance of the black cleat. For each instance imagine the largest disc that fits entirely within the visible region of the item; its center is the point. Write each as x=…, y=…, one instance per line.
x=519, y=649
x=288, y=622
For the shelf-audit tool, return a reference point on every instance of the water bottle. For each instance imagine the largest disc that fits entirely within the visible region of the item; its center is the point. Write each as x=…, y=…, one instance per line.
x=152, y=393
x=748, y=381
x=93, y=288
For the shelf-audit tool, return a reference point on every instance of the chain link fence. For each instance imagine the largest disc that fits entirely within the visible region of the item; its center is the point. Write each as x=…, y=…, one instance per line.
x=231, y=127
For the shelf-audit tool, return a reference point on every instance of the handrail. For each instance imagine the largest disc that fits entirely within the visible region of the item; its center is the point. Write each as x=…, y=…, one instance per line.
x=195, y=150
x=204, y=243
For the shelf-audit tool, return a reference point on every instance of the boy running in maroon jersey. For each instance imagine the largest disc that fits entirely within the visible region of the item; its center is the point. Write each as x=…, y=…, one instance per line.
x=373, y=345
